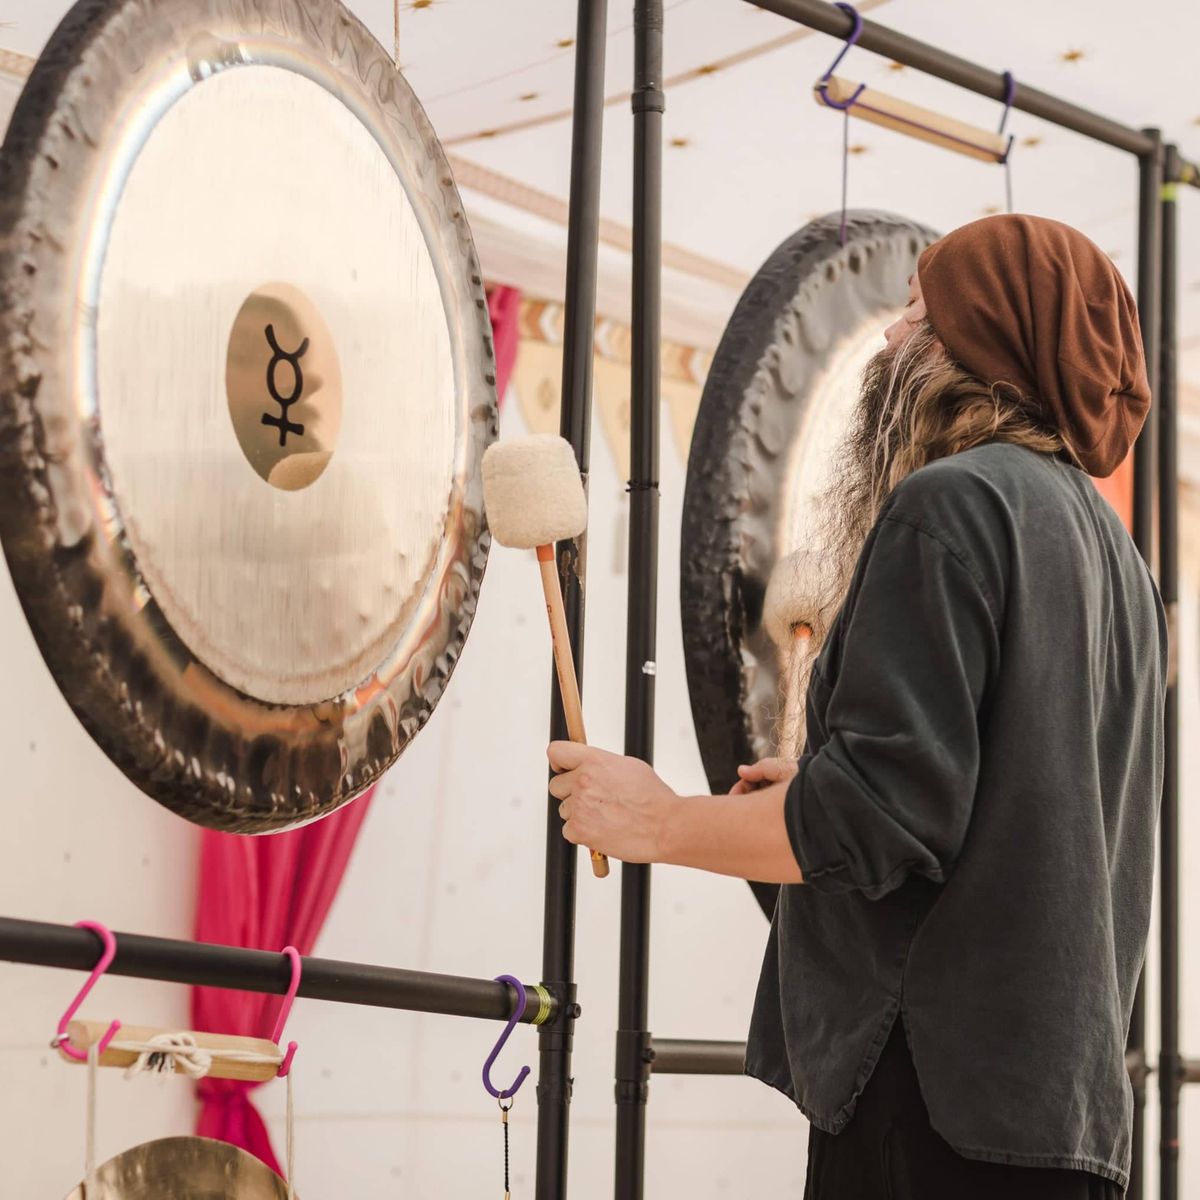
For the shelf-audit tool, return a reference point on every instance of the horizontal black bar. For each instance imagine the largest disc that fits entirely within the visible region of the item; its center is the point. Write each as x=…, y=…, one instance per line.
x=679, y=1056
x=204, y=964
x=1191, y=1070
x=676, y=1056
x=921, y=56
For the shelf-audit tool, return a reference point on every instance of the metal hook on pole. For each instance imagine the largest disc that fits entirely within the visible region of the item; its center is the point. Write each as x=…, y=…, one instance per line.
x=822, y=84
x=513, y=1021
x=62, y=1039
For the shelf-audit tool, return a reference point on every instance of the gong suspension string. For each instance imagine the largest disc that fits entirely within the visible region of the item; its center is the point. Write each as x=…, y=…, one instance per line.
x=291, y=1140
x=1010, y=90
x=89, y=1144
x=845, y=168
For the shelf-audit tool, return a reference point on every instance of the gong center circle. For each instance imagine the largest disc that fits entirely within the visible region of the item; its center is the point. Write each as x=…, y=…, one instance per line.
x=265, y=310
x=283, y=383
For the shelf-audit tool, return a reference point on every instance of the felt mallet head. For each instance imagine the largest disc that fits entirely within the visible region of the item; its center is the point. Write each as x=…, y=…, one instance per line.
x=793, y=600
x=532, y=491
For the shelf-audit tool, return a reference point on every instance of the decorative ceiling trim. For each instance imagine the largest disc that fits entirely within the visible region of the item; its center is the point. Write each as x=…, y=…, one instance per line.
x=551, y=208
x=544, y=321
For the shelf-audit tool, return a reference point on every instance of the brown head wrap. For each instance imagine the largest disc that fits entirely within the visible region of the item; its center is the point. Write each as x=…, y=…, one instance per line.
x=1035, y=304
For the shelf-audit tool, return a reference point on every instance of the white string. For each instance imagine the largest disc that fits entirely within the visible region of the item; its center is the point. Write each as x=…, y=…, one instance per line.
x=89, y=1152
x=172, y=1052
x=291, y=1140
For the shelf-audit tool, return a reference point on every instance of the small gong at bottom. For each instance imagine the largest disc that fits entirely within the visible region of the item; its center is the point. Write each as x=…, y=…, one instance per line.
x=184, y=1168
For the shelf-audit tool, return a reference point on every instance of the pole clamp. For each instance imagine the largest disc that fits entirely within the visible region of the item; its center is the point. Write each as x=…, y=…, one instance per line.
x=634, y=1056
x=648, y=99
x=1172, y=1075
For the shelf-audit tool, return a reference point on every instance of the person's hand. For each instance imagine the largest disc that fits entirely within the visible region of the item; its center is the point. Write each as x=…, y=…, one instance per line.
x=763, y=773
x=610, y=803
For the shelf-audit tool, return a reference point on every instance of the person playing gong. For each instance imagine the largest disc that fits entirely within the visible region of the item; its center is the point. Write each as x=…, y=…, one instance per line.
x=966, y=844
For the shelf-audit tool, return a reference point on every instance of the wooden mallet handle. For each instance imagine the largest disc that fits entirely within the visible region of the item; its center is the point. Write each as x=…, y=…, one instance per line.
x=564, y=663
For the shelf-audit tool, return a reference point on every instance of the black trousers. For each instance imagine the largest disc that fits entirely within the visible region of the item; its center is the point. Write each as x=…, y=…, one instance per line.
x=889, y=1151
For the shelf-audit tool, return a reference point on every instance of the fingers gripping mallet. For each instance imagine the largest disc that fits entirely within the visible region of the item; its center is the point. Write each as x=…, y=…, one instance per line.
x=790, y=610
x=534, y=498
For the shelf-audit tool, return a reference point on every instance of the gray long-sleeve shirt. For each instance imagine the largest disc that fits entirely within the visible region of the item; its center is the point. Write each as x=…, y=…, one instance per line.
x=974, y=817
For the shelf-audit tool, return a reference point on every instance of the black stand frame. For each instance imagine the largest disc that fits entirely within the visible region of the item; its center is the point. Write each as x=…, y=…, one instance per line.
x=638, y=1053
x=1160, y=169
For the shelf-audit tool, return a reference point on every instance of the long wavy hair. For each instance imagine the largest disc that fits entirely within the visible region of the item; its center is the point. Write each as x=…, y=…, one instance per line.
x=916, y=405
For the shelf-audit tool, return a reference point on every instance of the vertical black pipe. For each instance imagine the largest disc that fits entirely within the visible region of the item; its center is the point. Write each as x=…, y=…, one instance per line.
x=558, y=935
x=1148, y=295
x=633, y=1038
x=1170, y=1075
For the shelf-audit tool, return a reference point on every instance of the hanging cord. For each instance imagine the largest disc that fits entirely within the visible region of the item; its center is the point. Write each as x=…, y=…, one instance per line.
x=396, y=33
x=843, y=106
x=91, y=1192
x=504, y=1118
x=845, y=170
x=291, y=1140
x=1010, y=91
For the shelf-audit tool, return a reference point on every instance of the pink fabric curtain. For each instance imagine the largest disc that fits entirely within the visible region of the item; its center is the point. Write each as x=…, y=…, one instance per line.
x=268, y=892
x=263, y=893
x=504, y=307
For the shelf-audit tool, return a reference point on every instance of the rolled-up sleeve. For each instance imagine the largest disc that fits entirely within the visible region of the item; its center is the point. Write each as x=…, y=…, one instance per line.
x=889, y=792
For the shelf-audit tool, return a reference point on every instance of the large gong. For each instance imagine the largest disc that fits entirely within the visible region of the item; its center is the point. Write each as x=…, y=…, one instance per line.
x=246, y=381
x=776, y=403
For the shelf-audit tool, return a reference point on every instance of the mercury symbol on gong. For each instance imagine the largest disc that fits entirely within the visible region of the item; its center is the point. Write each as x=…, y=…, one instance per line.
x=282, y=376
x=281, y=421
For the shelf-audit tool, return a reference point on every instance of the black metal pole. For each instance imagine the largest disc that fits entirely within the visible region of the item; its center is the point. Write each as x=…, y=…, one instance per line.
x=204, y=964
x=633, y=1038
x=690, y=1056
x=558, y=930
x=1170, y=1067
x=1149, y=286
x=819, y=15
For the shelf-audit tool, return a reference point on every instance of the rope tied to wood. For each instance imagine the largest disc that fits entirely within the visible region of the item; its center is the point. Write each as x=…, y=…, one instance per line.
x=171, y=1053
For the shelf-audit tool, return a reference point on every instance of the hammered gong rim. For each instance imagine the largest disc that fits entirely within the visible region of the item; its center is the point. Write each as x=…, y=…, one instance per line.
x=205, y=749
x=755, y=404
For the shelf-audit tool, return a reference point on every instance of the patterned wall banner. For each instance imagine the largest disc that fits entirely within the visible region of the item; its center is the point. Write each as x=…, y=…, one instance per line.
x=612, y=394
x=538, y=378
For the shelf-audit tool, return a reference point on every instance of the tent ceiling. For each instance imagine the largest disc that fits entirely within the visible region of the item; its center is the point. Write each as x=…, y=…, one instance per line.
x=749, y=156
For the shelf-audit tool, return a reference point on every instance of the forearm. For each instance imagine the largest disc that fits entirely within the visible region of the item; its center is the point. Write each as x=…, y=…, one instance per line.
x=744, y=836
